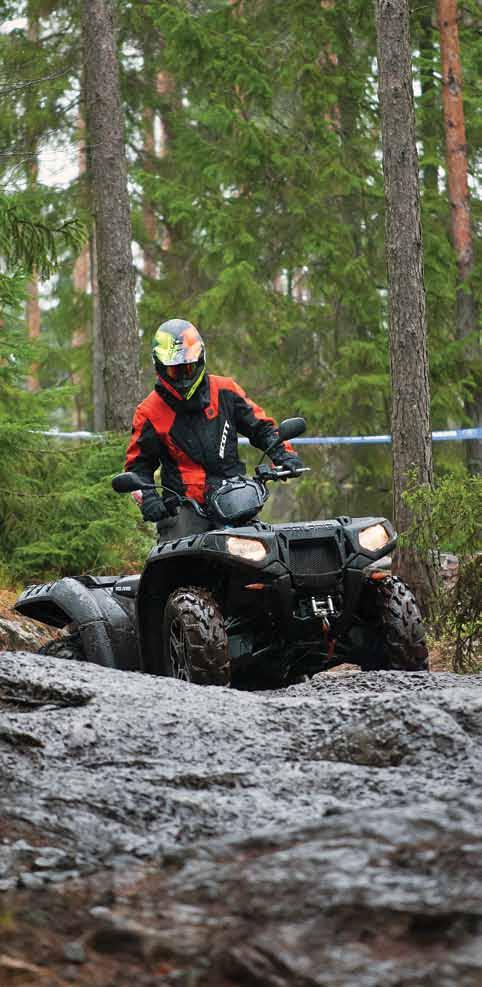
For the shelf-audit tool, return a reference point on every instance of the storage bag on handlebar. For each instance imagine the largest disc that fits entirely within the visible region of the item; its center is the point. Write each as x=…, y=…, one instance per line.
x=237, y=500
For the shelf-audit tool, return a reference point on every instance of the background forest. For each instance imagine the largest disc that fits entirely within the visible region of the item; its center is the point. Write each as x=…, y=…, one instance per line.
x=256, y=188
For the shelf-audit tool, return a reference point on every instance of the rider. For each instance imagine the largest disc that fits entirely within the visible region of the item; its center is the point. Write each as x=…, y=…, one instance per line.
x=189, y=424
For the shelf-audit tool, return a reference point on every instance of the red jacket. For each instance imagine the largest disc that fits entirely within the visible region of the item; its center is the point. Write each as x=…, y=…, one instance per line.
x=196, y=444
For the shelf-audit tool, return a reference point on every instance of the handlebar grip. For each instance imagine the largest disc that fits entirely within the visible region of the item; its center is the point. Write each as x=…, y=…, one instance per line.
x=280, y=472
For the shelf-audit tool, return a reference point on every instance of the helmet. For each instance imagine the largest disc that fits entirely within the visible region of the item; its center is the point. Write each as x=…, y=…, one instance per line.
x=178, y=354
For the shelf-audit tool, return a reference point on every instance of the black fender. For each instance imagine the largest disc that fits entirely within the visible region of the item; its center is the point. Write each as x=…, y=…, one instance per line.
x=106, y=629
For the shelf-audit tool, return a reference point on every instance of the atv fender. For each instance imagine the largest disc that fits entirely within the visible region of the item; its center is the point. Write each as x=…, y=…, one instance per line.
x=99, y=618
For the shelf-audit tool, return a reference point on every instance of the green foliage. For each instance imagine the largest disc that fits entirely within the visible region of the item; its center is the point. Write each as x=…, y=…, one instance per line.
x=59, y=514
x=27, y=244
x=269, y=211
x=447, y=518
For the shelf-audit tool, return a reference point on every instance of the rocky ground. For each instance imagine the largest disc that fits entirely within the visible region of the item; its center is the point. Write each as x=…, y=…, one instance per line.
x=157, y=833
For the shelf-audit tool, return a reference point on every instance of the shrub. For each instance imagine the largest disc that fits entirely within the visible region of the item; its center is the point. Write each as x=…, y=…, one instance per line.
x=447, y=518
x=58, y=513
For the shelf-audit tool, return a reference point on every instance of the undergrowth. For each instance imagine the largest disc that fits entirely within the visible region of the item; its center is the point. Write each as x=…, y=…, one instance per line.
x=447, y=519
x=58, y=513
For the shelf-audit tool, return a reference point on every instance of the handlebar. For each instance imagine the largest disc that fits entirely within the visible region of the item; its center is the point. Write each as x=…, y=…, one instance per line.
x=130, y=482
x=265, y=473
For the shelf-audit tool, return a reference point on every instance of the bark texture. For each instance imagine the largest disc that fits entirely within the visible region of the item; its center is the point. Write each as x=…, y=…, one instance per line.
x=80, y=280
x=33, y=326
x=429, y=118
x=411, y=433
x=32, y=311
x=98, y=386
x=148, y=213
x=459, y=196
x=112, y=214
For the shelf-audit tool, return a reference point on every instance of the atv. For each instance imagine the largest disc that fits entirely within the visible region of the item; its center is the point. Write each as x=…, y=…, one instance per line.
x=236, y=601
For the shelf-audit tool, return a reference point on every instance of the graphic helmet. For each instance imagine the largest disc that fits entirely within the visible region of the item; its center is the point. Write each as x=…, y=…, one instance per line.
x=178, y=354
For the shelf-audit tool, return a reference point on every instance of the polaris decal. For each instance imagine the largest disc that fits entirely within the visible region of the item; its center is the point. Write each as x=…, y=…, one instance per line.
x=224, y=437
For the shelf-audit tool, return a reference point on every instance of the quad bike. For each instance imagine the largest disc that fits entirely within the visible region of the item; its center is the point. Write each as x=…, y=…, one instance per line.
x=241, y=602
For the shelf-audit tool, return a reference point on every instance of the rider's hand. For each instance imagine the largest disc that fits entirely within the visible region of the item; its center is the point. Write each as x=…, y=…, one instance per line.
x=153, y=508
x=290, y=462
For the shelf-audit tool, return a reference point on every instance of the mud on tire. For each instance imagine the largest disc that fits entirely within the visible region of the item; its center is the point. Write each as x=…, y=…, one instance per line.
x=401, y=641
x=68, y=647
x=195, y=643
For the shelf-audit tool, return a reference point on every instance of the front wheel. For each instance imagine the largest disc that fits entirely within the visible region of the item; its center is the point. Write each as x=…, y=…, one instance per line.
x=195, y=643
x=69, y=647
x=395, y=632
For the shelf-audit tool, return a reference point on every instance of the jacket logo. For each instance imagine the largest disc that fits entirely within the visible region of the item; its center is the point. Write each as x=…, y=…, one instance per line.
x=224, y=437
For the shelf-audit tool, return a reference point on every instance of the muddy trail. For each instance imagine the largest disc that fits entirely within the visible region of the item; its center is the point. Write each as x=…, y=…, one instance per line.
x=162, y=833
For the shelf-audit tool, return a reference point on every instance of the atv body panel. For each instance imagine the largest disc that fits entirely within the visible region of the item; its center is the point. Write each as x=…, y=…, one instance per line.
x=102, y=608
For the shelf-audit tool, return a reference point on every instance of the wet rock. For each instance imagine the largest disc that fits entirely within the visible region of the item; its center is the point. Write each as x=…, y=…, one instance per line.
x=74, y=952
x=7, y=883
x=71, y=973
x=47, y=857
x=325, y=834
x=119, y=935
x=32, y=881
x=59, y=876
x=14, y=735
x=15, y=634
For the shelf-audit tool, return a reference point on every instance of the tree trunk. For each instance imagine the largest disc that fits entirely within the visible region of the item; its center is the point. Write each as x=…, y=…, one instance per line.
x=155, y=146
x=98, y=388
x=80, y=280
x=429, y=114
x=32, y=311
x=148, y=214
x=458, y=189
x=33, y=325
x=411, y=436
x=112, y=215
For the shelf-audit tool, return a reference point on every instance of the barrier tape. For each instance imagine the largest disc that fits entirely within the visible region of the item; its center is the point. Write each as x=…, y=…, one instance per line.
x=452, y=435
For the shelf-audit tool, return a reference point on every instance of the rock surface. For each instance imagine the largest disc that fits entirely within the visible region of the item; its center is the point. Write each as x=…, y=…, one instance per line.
x=327, y=834
x=19, y=633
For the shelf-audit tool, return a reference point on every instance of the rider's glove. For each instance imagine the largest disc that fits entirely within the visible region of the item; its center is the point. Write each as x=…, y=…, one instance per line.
x=152, y=507
x=289, y=461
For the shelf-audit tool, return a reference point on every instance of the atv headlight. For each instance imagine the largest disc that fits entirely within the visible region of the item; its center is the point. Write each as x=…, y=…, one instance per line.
x=374, y=537
x=246, y=548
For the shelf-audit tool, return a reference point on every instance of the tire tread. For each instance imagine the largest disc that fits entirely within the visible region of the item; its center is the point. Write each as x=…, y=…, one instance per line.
x=205, y=631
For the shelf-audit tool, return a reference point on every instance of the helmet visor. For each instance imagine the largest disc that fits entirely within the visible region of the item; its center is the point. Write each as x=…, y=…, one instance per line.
x=181, y=371
x=186, y=348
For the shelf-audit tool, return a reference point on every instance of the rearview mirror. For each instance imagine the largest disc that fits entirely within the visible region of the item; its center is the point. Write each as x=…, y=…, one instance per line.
x=290, y=428
x=128, y=482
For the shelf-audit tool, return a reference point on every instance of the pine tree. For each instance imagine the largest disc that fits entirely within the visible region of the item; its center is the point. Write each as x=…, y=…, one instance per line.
x=112, y=213
x=270, y=200
x=458, y=190
x=411, y=437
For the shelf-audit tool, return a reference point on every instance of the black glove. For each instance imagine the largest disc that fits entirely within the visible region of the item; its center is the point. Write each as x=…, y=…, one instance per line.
x=290, y=461
x=152, y=507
